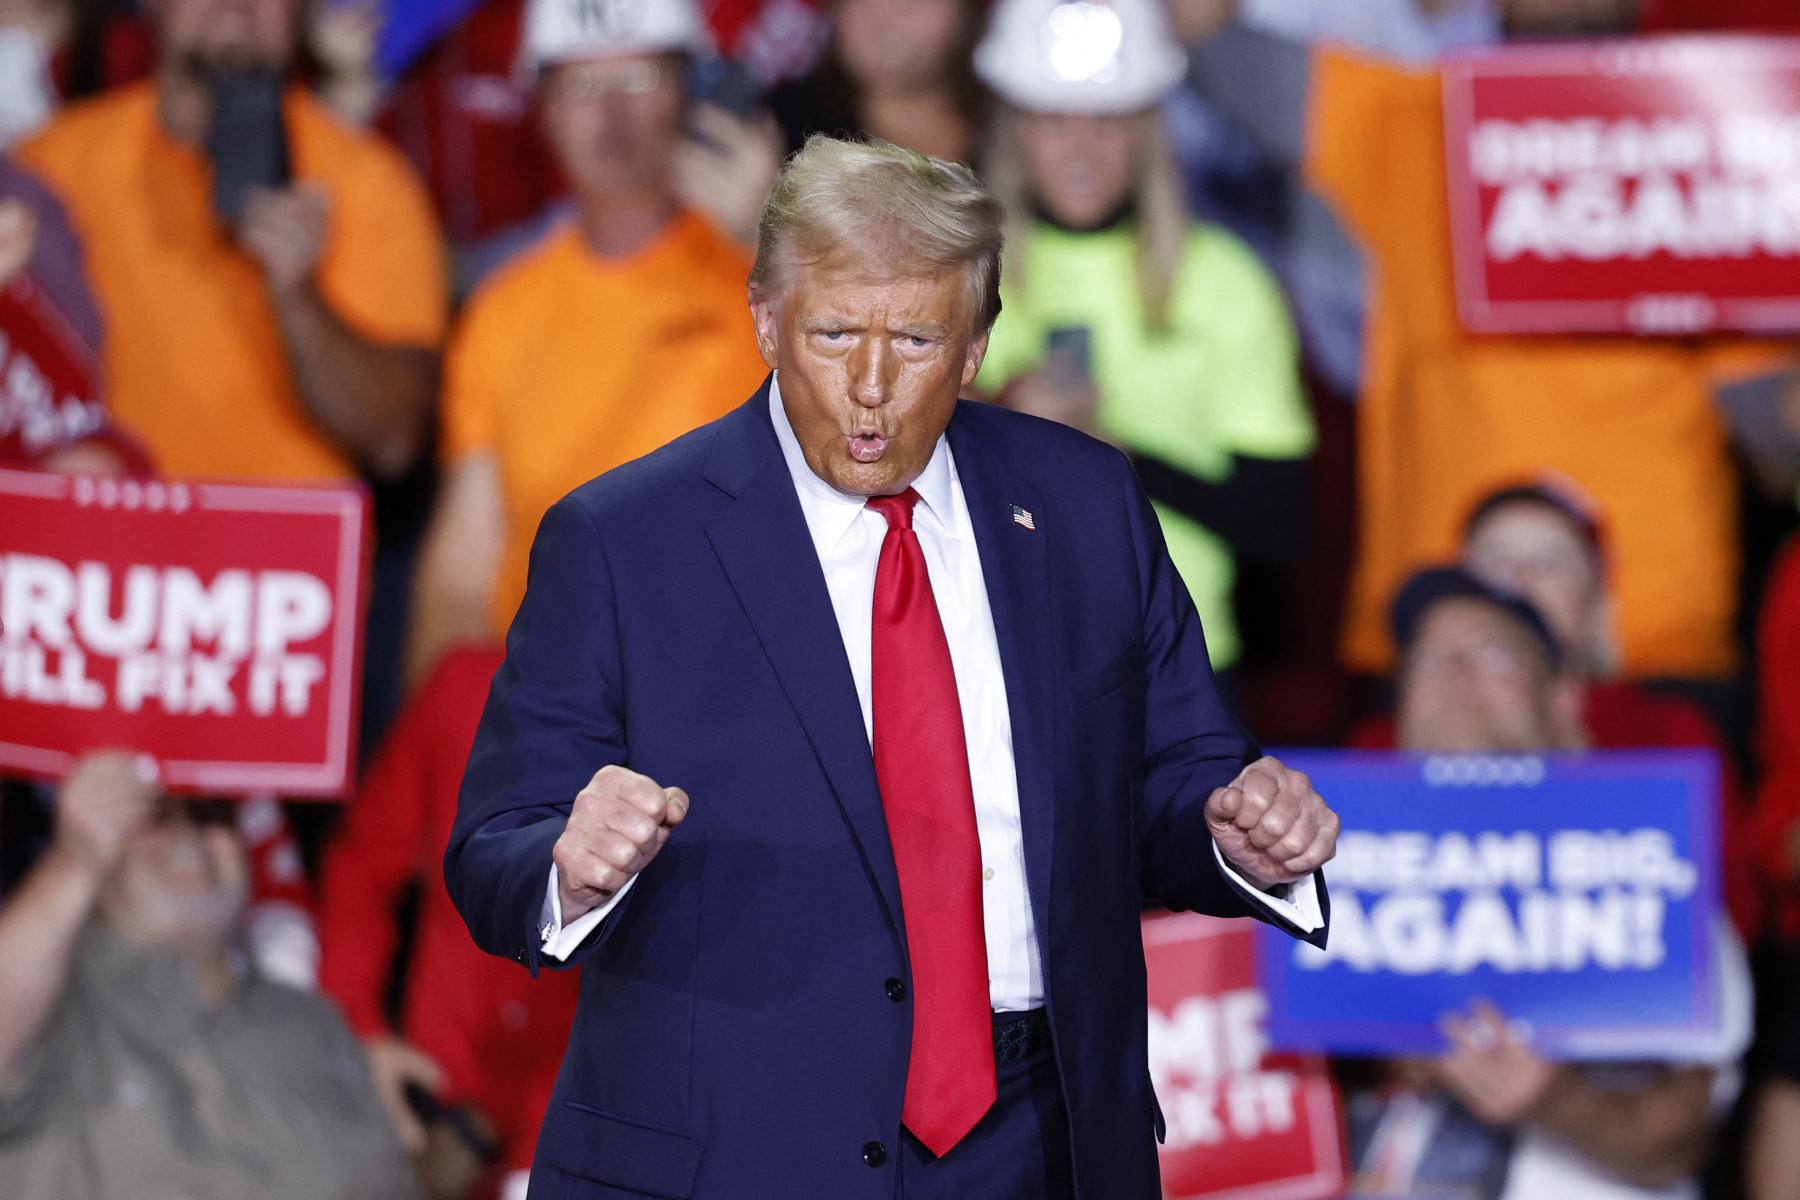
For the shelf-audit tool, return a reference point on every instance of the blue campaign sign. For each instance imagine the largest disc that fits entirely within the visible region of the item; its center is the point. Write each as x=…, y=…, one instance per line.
x=1579, y=894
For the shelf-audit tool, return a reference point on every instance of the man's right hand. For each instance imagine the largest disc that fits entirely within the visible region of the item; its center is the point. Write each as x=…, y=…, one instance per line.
x=108, y=797
x=620, y=821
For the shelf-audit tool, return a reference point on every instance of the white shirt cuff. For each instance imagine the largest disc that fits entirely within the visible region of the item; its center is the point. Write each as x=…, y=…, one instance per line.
x=1299, y=908
x=557, y=941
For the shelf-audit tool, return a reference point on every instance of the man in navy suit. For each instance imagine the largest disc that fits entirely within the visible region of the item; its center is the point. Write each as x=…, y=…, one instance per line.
x=944, y=713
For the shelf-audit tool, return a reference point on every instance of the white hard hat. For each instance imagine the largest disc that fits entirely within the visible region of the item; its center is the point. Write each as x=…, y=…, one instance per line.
x=561, y=30
x=1088, y=56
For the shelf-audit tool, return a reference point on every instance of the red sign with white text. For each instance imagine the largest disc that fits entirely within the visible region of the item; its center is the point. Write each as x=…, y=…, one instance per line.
x=213, y=626
x=1648, y=186
x=1243, y=1124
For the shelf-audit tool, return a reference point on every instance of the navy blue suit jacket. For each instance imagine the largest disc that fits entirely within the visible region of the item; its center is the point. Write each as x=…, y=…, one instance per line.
x=737, y=1034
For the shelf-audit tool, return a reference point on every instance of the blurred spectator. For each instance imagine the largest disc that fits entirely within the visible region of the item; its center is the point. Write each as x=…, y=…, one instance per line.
x=52, y=413
x=773, y=39
x=1316, y=257
x=1773, y=1154
x=1122, y=316
x=466, y=117
x=1446, y=416
x=1479, y=673
x=898, y=69
x=533, y=405
x=476, y=1030
x=57, y=50
x=1542, y=541
x=294, y=337
x=342, y=37
x=139, y=1055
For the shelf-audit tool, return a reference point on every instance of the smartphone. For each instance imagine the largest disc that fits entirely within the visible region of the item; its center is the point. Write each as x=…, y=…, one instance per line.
x=1069, y=353
x=721, y=82
x=456, y=1118
x=247, y=141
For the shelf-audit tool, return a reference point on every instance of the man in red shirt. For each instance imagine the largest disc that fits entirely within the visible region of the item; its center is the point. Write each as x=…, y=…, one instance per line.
x=474, y=1029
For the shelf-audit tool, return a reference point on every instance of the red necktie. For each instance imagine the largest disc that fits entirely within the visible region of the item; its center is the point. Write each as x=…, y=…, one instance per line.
x=922, y=767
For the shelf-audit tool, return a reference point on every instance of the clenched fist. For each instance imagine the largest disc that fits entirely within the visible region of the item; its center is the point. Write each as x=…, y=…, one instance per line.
x=103, y=802
x=1270, y=825
x=621, y=819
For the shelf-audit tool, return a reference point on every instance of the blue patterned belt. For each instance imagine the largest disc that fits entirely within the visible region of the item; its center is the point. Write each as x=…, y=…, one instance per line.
x=1017, y=1034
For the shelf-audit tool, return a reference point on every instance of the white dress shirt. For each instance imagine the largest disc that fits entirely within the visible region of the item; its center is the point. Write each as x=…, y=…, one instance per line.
x=847, y=536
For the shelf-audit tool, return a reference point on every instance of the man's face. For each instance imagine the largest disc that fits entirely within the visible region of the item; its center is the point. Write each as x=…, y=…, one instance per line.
x=233, y=34
x=1475, y=681
x=614, y=122
x=1568, y=18
x=871, y=366
x=179, y=883
x=1533, y=551
x=1079, y=166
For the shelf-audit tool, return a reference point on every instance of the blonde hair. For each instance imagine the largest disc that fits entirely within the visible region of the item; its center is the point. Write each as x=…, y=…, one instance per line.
x=1159, y=201
x=912, y=214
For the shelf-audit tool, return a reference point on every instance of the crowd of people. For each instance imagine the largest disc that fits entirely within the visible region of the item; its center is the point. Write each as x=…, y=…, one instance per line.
x=480, y=276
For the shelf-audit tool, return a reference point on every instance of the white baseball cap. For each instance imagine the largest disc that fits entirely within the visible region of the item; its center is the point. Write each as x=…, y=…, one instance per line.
x=1086, y=56
x=562, y=30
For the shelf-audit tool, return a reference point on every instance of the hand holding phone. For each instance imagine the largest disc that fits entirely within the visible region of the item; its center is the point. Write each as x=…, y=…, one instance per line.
x=1069, y=355
x=1062, y=388
x=725, y=167
x=285, y=232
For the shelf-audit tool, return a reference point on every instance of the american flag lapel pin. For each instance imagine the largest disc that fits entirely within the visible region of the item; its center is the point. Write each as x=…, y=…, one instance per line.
x=1022, y=516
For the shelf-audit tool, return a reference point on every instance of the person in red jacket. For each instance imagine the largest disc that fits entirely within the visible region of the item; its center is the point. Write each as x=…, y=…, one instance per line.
x=1544, y=542
x=477, y=1031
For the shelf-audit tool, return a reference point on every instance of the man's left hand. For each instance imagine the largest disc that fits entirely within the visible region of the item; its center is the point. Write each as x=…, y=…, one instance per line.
x=1270, y=825
x=284, y=231
x=1492, y=1070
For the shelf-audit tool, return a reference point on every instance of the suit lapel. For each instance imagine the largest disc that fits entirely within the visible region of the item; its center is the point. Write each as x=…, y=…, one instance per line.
x=762, y=543
x=1015, y=565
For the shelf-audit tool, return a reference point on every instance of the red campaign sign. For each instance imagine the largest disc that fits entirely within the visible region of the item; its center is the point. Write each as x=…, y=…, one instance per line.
x=1646, y=186
x=214, y=626
x=49, y=377
x=1243, y=1124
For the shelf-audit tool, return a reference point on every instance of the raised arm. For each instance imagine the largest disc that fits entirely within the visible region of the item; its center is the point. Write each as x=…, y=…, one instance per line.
x=459, y=563
x=548, y=807
x=371, y=397
x=1224, y=830
x=104, y=800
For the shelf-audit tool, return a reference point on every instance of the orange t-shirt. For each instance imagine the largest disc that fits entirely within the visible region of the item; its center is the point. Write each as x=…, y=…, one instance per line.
x=1445, y=417
x=567, y=364
x=194, y=360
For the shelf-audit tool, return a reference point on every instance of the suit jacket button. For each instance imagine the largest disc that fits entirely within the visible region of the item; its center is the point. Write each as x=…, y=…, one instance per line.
x=874, y=1153
x=896, y=990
